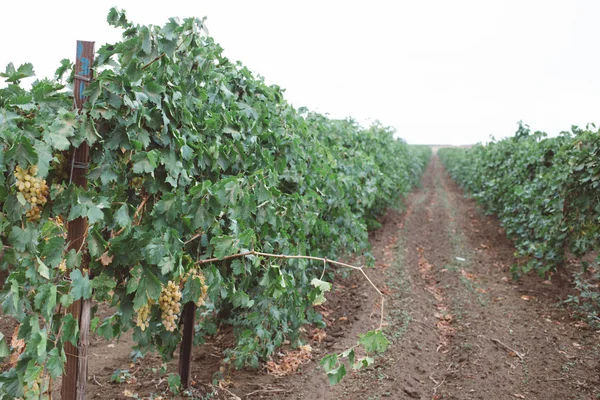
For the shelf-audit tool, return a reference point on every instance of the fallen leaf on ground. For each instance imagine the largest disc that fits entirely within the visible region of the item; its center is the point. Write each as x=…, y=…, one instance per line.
x=129, y=394
x=290, y=362
x=525, y=297
x=519, y=396
x=468, y=275
x=318, y=335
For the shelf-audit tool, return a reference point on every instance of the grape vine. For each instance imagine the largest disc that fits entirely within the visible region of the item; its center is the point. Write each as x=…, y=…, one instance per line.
x=545, y=192
x=191, y=158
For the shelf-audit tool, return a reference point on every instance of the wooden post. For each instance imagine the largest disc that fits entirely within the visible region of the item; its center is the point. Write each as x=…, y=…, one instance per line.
x=187, y=341
x=74, y=378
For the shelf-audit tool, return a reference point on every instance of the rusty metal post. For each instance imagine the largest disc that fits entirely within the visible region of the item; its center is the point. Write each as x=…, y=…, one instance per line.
x=75, y=376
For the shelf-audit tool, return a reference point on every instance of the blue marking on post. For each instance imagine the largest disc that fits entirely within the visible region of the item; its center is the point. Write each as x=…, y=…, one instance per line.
x=79, y=48
x=85, y=66
x=81, y=88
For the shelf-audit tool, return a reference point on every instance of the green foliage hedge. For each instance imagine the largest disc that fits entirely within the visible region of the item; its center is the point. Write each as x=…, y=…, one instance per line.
x=192, y=157
x=544, y=190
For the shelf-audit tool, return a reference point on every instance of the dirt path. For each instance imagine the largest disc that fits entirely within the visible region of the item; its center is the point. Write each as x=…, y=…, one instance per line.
x=460, y=327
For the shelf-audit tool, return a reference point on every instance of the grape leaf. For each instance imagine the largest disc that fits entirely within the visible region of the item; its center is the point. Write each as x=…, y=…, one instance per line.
x=80, y=285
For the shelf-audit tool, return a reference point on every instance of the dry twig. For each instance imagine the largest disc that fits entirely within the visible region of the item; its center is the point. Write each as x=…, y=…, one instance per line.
x=324, y=260
x=521, y=356
x=268, y=391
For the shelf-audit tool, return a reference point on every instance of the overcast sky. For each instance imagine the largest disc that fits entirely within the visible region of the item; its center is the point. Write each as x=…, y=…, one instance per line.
x=440, y=72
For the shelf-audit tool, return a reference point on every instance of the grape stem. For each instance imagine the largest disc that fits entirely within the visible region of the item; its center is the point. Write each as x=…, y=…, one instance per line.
x=288, y=257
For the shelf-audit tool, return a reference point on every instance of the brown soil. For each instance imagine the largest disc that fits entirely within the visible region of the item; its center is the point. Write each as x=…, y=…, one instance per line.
x=460, y=328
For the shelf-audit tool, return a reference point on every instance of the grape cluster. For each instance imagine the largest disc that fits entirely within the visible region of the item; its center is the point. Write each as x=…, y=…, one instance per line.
x=143, y=316
x=170, y=305
x=196, y=274
x=34, y=190
x=61, y=168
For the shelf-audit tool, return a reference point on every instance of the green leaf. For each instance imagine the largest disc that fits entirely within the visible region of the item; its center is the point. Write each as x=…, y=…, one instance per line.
x=40, y=340
x=45, y=300
x=80, y=285
x=174, y=382
x=223, y=246
x=14, y=76
x=56, y=362
x=145, y=162
x=12, y=301
x=329, y=362
x=44, y=155
x=11, y=383
x=22, y=152
x=59, y=132
x=53, y=251
x=117, y=18
x=148, y=288
x=155, y=251
x=167, y=264
x=241, y=299
x=192, y=290
x=363, y=363
x=96, y=244
x=65, y=65
x=73, y=259
x=374, y=341
x=122, y=216
x=4, y=350
x=70, y=329
x=43, y=269
x=337, y=374
x=136, y=276
x=102, y=285
x=323, y=287
x=349, y=354
x=106, y=330
x=22, y=239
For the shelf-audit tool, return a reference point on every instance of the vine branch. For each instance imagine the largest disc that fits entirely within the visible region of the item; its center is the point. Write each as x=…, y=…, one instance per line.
x=288, y=257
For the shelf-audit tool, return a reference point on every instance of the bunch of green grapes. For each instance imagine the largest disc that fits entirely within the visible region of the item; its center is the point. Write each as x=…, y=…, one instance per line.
x=61, y=168
x=143, y=316
x=170, y=305
x=34, y=190
x=197, y=274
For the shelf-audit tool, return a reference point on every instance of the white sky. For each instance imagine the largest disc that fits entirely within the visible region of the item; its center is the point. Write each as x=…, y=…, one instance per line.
x=440, y=72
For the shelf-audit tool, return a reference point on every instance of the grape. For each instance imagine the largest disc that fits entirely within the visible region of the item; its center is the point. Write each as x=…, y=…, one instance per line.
x=33, y=189
x=170, y=305
x=143, y=316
